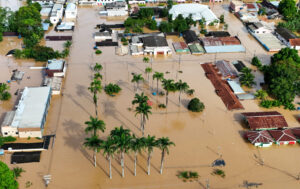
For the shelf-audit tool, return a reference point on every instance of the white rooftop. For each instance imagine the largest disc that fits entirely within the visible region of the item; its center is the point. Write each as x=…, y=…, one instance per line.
x=31, y=108
x=237, y=89
x=197, y=11
x=55, y=64
x=71, y=7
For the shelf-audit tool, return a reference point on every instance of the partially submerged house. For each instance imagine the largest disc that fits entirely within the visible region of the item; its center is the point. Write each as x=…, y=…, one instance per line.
x=56, y=13
x=198, y=12
x=29, y=118
x=283, y=136
x=181, y=47
x=56, y=68
x=236, y=87
x=102, y=36
x=190, y=37
x=116, y=9
x=226, y=69
x=265, y=120
x=259, y=138
x=71, y=11
x=288, y=38
x=222, y=44
x=269, y=41
x=156, y=45
x=258, y=28
x=55, y=83
x=196, y=48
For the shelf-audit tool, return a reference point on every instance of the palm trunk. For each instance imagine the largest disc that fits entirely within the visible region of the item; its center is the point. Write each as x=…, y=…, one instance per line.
x=157, y=87
x=141, y=122
x=96, y=104
x=135, y=160
x=122, y=164
x=162, y=161
x=179, y=97
x=110, y=173
x=167, y=99
x=137, y=85
x=95, y=163
x=143, y=125
x=148, y=162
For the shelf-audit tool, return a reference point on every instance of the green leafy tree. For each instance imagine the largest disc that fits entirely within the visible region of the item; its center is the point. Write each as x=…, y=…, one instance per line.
x=7, y=177
x=261, y=94
x=170, y=4
x=67, y=44
x=247, y=78
x=159, y=77
x=144, y=110
x=150, y=143
x=256, y=62
x=94, y=125
x=195, y=105
x=146, y=60
x=180, y=24
x=151, y=24
x=112, y=89
x=163, y=144
x=165, y=27
x=109, y=148
x=136, y=145
x=181, y=87
x=145, y=13
x=287, y=8
x=122, y=140
x=4, y=94
x=94, y=144
x=169, y=86
x=136, y=78
x=222, y=20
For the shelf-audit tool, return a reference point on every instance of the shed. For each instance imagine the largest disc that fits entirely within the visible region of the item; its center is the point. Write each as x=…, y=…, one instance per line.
x=265, y=120
x=283, y=136
x=236, y=87
x=259, y=138
x=56, y=68
x=181, y=47
x=226, y=69
x=190, y=36
x=196, y=48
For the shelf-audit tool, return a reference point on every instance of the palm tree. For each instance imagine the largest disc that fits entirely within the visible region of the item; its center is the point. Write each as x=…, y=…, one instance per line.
x=145, y=59
x=97, y=76
x=163, y=144
x=158, y=76
x=181, y=87
x=138, y=99
x=148, y=70
x=94, y=125
x=95, y=88
x=136, y=79
x=94, y=144
x=169, y=86
x=150, y=143
x=144, y=110
x=108, y=146
x=136, y=145
x=98, y=67
x=247, y=78
x=122, y=140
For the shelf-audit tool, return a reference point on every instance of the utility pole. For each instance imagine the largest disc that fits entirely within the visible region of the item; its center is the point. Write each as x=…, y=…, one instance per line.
x=207, y=183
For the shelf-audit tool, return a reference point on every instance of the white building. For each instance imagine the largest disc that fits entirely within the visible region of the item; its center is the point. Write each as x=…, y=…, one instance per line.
x=57, y=13
x=288, y=38
x=136, y=2
x=117, y=9
x=56, y=68
x=97, y=2
x=197, y=11
x=154, y=45
x=258, y=28
x=71, y=11
x=29, y=118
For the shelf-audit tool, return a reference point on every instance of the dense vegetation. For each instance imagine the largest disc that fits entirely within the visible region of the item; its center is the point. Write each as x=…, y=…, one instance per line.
x=283, y=77
x=7, y=177
x=289, y=11
x=112, y=89
x=247, y=78
x=4, y=94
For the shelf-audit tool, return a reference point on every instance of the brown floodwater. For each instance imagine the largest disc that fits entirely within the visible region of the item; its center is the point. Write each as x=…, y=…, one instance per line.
x=200, y=138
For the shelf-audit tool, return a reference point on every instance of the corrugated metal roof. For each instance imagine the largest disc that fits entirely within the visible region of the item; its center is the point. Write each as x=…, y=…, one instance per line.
x=259, y=137
x=282, y=135
x=55, y=64
x=31, y=108
x=235, y=87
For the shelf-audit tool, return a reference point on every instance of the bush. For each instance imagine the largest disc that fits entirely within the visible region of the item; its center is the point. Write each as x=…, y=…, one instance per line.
x=195, y=105
x=17, y=171
x=112, y=89
x=190, y=92
x=270, y=103
x=67, y=44
x=222, y=19
x=9, y=139
x=98, y=52
x=5, y=96
x=219, y=172
x=188, y=175
x=7, y=177
x=256, y=62
x=162, y=106
x=123, y=39
x=125, y=43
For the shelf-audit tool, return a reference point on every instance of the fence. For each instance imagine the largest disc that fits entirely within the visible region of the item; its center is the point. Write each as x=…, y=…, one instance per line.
x=106, y=43
x=25, y=157
x=59, y=38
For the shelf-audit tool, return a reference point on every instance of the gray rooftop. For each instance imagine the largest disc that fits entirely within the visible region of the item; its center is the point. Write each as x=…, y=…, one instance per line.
x=31, y=108
x=155, y=41
x=55, y=64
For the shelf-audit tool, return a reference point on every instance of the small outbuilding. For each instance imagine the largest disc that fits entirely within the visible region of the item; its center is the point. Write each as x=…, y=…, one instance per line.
x=236, y=87
x=190, y=37
x=283, y=136
x=56, y=68
x=196, y=48
x=259, y=138
x=181, y=47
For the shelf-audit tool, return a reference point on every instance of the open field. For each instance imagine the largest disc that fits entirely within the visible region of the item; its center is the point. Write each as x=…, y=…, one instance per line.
x=199, y=138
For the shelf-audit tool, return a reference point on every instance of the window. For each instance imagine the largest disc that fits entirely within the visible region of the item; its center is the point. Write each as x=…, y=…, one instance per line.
x=5, y=133
x=17, y=133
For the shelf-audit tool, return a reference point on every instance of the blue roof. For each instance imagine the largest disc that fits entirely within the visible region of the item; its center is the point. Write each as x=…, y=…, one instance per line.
x=224, y=49
x=45, y=26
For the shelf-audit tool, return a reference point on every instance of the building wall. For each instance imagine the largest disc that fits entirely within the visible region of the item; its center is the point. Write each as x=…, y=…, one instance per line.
x=157, y=50
x=26, y=134
x=117, y=12
x=71, y=14
x=9, y=131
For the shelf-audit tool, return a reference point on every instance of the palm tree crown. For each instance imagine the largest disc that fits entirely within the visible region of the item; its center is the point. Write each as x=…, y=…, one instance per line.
x=94, y=124
x=138, y=99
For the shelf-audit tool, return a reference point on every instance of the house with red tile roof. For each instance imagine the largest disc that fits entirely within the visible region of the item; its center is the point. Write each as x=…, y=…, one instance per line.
x=283, y=136
x=259, y=138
